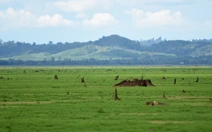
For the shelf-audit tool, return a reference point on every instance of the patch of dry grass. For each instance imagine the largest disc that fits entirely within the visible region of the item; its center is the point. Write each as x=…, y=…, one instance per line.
x=170, y=122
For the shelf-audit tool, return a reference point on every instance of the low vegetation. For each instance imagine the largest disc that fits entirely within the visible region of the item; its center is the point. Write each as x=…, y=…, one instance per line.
x=85, y=99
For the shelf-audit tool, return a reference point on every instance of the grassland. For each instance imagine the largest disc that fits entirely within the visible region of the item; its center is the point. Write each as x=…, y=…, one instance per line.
x=32, y=100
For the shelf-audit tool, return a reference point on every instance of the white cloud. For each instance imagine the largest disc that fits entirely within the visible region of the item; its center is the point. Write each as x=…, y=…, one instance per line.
x=100, y=20
x=136, y=13
x=162, y=19
x=4, y=1
x=76, y=5
x=16, y=18
x=153, y=2
x=81, y=15
x=53, y=21
x=20, y=18
x=105, y=4
x=83, y=5
x=208, y=24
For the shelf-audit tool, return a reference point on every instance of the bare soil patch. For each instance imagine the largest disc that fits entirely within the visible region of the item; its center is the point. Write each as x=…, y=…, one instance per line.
x=170, y=122
x=188, y=98
x=30, y=103
x=139, y=113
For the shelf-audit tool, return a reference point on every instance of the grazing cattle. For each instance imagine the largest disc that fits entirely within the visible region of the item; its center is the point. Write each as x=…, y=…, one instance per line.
x=163, y=78
x=1, y=77
x=183, y=78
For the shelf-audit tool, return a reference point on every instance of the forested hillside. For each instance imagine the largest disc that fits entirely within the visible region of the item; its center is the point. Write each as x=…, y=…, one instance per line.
x=108, y=50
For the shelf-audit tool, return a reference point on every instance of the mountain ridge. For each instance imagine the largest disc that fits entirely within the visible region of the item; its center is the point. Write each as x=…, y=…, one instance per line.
x=108, y=48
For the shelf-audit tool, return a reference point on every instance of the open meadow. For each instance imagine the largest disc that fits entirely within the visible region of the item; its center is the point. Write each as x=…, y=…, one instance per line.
x=31, y=99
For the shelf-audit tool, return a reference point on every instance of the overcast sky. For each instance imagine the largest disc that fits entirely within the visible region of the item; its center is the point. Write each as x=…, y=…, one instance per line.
x=83, y=20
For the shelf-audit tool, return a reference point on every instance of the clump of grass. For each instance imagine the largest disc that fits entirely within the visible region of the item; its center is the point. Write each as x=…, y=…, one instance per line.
x=100, y=111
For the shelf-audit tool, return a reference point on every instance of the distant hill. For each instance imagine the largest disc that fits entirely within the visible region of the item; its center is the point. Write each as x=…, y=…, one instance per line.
x=183, y=48
x=112, y=47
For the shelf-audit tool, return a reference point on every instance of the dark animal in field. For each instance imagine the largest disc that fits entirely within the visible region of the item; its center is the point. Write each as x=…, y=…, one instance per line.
x=163, y=78
x=1, y=77
x=175, y=81
x=67, y=92
x=183, y=91
x=82, y=80
x=135, y=82
x=197, y=79
x=116, y=95
x=117, y=77
x=183, y=78
x=55, y=77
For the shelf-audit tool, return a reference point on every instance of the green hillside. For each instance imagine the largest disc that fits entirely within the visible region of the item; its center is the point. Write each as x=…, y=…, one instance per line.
x=112, y=47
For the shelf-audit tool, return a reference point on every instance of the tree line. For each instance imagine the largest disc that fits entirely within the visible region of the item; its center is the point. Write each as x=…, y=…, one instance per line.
x=204, y=60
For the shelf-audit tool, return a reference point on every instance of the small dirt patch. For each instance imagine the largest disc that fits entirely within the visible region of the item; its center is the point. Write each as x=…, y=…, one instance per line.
x=138, y=113
x=187, y=98
x=170, y=122
x=30, y=103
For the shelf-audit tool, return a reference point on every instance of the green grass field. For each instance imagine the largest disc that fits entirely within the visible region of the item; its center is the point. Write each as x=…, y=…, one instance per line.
x=32, y=100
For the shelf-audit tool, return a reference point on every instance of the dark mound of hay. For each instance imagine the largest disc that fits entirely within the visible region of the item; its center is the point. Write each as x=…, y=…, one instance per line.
x=135, y=82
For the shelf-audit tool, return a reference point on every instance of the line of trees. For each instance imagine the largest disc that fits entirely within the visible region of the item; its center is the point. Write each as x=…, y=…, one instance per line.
x=205, y=60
